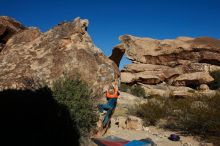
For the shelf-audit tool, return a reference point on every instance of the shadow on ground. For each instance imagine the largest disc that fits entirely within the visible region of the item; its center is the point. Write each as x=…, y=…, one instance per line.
x=34, y=118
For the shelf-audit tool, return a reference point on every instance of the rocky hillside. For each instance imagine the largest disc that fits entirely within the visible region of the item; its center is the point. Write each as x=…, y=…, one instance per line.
x=168, y=66
x=30, y=58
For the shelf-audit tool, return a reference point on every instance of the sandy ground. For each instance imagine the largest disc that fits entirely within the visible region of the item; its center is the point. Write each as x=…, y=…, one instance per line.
x=159, y=136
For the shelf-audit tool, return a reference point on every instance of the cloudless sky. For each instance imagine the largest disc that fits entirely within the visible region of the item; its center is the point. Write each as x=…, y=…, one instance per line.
x=108, y=19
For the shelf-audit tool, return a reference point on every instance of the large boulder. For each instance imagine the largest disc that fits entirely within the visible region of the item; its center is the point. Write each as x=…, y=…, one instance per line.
x=193, y=79
x=183, y=61
x=171, y=52
x=31, y=58
x=166, y=91
x=154, y=74
x=148, y=73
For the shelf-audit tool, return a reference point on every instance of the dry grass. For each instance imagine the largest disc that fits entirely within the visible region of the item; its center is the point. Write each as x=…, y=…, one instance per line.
x=197, y=116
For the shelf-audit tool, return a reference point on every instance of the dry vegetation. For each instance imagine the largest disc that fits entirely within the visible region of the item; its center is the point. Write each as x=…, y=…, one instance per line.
x=195, y=116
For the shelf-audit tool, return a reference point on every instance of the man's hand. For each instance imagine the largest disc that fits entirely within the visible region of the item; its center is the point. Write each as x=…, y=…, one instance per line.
x=116, y=84
x=105, y=89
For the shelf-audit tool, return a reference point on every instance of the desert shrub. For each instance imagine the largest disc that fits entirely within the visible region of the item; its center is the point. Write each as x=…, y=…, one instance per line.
x=198, y=116
x=76, y=96
x=135, y=89
x=201, y=118
x=151, y=111
x=216, y=83
x=138, y=91
x=124, y=87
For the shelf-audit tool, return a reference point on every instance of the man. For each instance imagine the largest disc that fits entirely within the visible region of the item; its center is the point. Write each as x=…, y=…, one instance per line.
x=112, y=95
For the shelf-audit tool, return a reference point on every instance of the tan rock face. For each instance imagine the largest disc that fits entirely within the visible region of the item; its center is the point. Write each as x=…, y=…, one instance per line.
x=181, y=62
x=177, y=91
x=8, y=27
x=196, y=78
x=129, y=122
x=169, y=52
x=147, y=73
x=204, y=87
x=30, y=57
x=134, y=123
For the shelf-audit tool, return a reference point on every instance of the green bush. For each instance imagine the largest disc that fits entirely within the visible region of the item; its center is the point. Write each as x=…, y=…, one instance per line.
x=151, y=111
x=135, y=90
x=198, y=116
x=76, y=96
x=138, y=91
x=124, y=87
x=216, y=83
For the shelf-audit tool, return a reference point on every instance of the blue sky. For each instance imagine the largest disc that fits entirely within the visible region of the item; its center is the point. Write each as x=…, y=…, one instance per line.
x=109, y=19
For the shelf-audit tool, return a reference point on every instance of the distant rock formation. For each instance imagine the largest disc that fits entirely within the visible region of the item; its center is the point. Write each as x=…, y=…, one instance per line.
x=184, y=62
x=29, y=58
